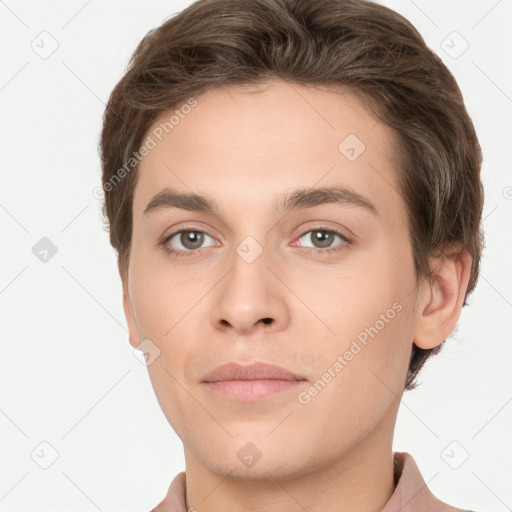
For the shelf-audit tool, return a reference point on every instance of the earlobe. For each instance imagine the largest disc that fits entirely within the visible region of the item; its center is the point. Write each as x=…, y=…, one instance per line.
x=130, y=320
x=441, y=300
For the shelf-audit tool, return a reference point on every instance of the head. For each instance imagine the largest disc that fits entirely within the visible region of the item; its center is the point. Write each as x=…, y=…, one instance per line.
x=245, y=110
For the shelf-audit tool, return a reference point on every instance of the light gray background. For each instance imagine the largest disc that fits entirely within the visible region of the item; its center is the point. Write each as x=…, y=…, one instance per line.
x=68, y=376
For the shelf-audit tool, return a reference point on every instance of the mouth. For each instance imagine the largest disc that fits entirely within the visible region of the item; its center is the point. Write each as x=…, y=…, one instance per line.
x=251, y=390
x=251, y=383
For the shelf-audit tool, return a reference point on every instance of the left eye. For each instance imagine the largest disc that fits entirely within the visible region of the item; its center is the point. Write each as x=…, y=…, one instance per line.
x=323, y=238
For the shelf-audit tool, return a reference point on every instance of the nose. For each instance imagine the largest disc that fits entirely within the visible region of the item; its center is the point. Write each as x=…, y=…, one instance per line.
x=250, y=298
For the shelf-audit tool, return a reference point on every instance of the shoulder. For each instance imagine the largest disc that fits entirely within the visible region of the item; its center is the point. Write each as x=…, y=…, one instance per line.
x=175, y=500
x=411, y=492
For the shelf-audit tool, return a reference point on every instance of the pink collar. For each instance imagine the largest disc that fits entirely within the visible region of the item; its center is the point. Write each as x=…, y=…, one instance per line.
x=411, y=492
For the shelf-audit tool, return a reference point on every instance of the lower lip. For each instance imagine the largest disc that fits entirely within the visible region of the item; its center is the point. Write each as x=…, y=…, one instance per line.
x=251, y=390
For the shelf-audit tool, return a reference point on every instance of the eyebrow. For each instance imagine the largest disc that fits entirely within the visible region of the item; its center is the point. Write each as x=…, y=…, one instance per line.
x=296, y=200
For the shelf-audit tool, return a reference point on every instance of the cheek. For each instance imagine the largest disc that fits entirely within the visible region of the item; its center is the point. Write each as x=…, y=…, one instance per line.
x=360, y=377
x=370, y=328
x=158, y=295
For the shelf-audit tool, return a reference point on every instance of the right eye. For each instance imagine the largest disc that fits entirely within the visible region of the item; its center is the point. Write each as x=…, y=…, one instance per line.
x=190, y=241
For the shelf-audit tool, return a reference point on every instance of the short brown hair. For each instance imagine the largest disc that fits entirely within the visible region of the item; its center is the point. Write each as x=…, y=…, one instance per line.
x=329, y=43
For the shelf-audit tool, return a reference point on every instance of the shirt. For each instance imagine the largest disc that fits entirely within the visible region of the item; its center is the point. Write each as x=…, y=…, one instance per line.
x=411, y=493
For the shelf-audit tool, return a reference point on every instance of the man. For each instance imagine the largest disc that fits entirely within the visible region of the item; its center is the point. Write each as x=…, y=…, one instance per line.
x=293, y=189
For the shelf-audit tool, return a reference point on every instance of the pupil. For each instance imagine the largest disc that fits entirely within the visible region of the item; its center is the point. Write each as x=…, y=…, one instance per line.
x=324, y=238
x=192, y=239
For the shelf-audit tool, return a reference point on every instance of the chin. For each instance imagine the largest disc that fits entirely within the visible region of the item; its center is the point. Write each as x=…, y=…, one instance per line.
x=264, y=470
x=257, y=460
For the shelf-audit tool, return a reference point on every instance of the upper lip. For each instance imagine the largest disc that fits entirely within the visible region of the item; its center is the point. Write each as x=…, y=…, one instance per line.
x=258, y=370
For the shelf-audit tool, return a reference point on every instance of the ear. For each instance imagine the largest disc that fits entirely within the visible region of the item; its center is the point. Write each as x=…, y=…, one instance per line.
x=441, y=299
x=130, y=320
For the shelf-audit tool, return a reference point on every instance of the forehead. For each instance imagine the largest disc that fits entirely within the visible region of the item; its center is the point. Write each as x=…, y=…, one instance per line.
x=267, y=140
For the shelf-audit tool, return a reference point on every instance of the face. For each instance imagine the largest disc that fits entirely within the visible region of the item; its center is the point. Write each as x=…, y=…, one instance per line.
x=320, y=283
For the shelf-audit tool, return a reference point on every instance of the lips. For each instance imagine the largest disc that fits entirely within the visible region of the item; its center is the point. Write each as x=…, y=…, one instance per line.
x=251, y=383
x=254, y=371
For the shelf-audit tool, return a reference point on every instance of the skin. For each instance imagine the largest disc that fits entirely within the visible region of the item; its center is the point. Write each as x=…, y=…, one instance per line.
x=245, y=150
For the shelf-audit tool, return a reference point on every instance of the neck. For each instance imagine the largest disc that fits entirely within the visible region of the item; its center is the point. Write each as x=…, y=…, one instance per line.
x=361, y=479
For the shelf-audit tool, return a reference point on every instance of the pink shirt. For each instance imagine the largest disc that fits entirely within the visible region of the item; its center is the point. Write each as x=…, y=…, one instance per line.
x=411, y=493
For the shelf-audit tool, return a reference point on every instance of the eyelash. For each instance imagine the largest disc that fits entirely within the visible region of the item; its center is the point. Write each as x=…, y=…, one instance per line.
x=186, y=254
